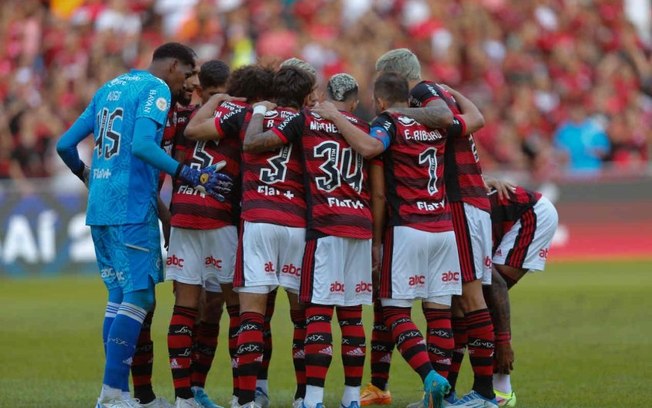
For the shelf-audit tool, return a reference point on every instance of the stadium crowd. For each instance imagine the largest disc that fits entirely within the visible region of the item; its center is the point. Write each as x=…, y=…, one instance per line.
x=561, y=83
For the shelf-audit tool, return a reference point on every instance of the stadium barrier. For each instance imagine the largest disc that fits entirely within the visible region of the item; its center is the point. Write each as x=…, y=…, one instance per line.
x=43, y=231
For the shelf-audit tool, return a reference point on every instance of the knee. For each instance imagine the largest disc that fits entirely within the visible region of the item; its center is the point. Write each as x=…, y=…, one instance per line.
x=472, y=298
x=142, y=298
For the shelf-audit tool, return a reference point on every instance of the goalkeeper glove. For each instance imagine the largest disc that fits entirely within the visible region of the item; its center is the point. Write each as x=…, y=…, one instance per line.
x=207, y=180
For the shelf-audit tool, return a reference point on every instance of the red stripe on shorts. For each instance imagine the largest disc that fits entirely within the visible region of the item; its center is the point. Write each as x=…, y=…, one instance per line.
x=238, y=273
x=308, y=271
x=463, y=241
x=517, y=254
x=386, y=266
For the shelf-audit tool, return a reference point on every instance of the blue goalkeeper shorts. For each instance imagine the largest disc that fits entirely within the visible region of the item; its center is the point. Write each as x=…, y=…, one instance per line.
x=129, y=255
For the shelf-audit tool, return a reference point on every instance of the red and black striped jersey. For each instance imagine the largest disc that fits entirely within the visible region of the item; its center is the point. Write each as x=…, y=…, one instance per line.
x=175, y=123
x=272, y=182
x=335, y=176
x=192, y=209
x=463, y=172
x=505, y=212
x=414, y=168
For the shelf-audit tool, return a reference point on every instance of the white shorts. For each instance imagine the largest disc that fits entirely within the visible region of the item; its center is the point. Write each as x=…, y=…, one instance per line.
x=526, y=244
x=202, y=257
x=473, y=236
x=419, y=265
x=337, y=271
x=269, y=255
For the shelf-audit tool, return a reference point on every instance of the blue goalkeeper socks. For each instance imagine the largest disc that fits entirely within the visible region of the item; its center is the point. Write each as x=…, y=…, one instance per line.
x=121, y=344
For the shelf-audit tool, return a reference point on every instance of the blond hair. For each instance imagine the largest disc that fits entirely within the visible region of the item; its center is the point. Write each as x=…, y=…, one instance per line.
x=402, y=61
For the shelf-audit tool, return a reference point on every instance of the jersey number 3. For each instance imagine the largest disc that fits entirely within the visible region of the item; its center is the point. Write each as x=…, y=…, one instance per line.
x=107, y=142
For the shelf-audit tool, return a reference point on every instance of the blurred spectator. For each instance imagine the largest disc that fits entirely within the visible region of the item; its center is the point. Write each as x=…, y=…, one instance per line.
x=582, y=140
x=517, y=60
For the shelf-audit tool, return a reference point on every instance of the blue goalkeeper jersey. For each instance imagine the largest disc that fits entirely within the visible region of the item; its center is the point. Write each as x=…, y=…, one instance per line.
x=123, y=188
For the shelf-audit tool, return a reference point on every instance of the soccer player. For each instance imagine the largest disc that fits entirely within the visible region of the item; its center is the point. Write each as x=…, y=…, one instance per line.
x=466, y=193
x=201, y=254
x=419, y=252
x=273, y=227
x=127, y=116
x=523, y=224
x=336, y=267
x=227, y=123
x=143, y=361
x=314, y=97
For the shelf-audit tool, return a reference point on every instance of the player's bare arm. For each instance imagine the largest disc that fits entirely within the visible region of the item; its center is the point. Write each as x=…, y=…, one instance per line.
x=378, y=207
x=497, y=297
x=367, y=147
x=471, y=115
x=202, y=124
x=255, y=139
x=435, y=115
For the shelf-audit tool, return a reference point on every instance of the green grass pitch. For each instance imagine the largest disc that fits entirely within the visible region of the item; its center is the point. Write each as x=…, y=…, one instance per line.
x=581, y=332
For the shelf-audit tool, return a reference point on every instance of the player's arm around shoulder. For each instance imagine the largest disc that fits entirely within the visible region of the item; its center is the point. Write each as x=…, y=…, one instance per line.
x=257, y=140
x=436, y=114
x=203, y=124
x=368, y=147
x=471, y=117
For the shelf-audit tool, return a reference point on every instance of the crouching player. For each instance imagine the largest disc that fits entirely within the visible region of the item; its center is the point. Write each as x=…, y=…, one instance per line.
x=523, y=224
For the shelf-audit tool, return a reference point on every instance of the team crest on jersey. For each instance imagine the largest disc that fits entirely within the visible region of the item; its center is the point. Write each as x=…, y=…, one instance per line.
x=315, y=115
x=161, y=104
x=271, y=114
x=405, y=121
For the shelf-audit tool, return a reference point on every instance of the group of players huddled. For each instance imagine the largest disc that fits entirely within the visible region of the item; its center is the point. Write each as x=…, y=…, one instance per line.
x=277, y=186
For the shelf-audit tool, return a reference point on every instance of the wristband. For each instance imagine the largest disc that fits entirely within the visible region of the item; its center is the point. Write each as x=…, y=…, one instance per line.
x=260, y=109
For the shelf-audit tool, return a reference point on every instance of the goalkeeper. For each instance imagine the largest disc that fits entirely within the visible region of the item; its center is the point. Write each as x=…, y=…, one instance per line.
x=127, y=116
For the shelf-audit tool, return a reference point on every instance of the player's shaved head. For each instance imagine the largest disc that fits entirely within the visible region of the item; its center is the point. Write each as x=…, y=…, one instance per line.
x=291, y=86
x=176, y=50
x=301, y=64
x=342, y=87
x=400, y=60
x=253, y=82
x=213, y=73
x=391, y=87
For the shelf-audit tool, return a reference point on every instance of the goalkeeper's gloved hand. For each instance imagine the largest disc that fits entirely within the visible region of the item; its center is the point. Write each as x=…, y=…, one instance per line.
x=207, y=180
x=83, y=173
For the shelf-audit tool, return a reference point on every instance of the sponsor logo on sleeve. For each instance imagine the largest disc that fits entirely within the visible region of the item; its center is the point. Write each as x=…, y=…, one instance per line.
x=161, y=104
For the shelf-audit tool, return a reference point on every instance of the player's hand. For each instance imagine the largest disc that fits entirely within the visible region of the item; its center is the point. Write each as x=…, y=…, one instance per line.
x=220, y=98
x=326, y=110
x=504, y=358
x=84, y=174
x=267, y=104
x=503, y=188
x=208, y=180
